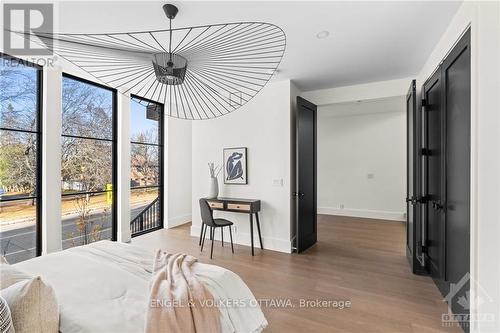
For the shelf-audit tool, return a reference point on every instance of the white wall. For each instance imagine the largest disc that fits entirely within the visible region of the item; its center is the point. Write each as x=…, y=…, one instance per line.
x=367, y=91
x=51, y=161
x=484, y=20
x=362, y=159
x=178, y=168
x=123, y=166
x=360, y=195
x=294, y=92
x=262, y=125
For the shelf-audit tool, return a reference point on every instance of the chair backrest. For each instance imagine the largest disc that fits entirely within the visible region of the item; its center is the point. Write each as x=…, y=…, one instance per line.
x=206, y=213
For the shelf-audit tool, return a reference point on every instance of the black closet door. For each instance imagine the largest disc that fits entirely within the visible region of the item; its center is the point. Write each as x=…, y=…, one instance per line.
x=411, y=134
x=457, y=86
x=305, y=192
x=433, y=212
x=414, y=238
x=414, y=230
x=446, y=100
x=456, y=79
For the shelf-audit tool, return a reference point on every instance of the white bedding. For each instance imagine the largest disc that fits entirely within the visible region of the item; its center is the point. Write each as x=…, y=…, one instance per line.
x=104, y=287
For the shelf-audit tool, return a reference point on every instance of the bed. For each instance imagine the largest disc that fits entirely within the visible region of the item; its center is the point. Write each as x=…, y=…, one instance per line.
x=103, y=287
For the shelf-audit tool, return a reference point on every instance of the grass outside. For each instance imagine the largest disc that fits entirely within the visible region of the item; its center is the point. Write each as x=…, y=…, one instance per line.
x=22, y=211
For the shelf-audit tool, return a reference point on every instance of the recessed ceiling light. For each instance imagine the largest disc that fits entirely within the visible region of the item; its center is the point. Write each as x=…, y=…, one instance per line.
x=322, y=34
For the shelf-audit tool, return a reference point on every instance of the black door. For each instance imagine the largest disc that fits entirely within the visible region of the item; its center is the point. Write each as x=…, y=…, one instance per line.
x=413, y=189
x=456, y=79
x=433, y=212
x=305, y=192
x=456, y=86
x=410, y=170
x=446, y=177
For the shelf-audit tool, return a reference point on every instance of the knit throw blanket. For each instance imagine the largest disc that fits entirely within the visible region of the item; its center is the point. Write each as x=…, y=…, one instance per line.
x=178, y=302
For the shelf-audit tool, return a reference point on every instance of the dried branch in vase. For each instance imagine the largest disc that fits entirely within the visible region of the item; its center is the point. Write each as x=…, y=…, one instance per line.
x=214, y=169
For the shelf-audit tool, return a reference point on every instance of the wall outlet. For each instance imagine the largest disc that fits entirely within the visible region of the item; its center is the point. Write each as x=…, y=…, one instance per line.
x=370, y=176
x=341, y=206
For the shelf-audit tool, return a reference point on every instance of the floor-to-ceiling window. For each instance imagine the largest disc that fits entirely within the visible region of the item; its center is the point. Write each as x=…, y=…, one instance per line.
x=88, y=162
x=20, y=162
x=146, y=166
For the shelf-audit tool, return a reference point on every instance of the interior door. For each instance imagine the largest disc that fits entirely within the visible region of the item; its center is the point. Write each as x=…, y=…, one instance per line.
x=457, y=86
x=433, y=212
x=410, y=168
x=305, y=192
x=413, y=189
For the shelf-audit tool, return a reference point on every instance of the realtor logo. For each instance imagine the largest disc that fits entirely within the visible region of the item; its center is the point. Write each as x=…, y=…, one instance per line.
x=463, y=298
x=27, y=18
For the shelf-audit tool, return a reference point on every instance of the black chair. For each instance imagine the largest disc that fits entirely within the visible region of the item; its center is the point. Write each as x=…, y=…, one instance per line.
x=208, y=220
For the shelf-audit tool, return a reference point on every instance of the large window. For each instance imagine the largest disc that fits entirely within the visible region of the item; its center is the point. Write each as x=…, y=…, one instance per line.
x=88, y=163
x=146, y=166
x=19, y=159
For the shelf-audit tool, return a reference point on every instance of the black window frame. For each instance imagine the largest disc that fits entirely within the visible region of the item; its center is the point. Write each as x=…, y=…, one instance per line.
x=161, y=148
x=114, y=143
x=39, y=136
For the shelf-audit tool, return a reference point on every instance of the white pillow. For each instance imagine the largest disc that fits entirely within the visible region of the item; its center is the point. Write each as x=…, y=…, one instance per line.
x=33, y=306
x=10, y=275
x=6, y=325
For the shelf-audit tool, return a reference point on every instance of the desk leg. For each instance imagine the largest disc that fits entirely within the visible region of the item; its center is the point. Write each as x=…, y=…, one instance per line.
x=258, y=229
x=251, y=231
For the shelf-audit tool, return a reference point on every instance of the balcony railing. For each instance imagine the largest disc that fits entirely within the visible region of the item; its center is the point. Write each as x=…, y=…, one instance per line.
x=148, y=219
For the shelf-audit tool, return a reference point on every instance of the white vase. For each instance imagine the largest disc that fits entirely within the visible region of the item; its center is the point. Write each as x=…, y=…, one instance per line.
x=213, y=188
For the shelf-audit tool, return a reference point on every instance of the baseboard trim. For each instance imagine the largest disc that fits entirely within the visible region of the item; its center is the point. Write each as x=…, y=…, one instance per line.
x=270, y=243
x=364, y=213
x=178, y=220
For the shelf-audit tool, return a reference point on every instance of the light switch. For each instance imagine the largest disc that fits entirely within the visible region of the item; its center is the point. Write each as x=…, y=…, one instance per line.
x=278, y=182
x=370, y=176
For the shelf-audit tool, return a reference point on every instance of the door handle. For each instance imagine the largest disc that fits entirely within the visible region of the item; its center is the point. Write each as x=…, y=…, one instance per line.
x=437, y=205
x=412, y=200
x=298, y=194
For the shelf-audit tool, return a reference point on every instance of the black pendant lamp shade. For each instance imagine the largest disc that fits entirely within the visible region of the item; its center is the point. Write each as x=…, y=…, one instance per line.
x=170, y=68
x=198, y=72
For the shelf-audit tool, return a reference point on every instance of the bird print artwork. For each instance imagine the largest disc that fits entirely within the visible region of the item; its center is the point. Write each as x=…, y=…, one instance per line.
x=234, y=166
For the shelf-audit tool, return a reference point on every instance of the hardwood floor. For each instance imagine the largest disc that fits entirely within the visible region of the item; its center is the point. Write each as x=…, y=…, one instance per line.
x=355, y=259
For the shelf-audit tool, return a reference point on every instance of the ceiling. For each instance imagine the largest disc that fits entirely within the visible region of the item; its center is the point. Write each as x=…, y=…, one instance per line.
x=364, y=107
x=368, y=41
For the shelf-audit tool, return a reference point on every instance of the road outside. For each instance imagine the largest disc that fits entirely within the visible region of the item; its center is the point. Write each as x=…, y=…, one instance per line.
x=18, y=231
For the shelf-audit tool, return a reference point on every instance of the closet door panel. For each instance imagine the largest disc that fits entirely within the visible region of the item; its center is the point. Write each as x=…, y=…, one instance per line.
x=455, y=71
x=434, y=215
x=456, y=79
x=414, y=238
x=410, y=171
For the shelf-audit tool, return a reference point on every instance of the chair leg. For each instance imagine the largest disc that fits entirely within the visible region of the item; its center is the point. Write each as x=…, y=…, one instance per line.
x=212, y=233
x=231, y=236
x=201, y=233
x=222, y=235
x=204, y=235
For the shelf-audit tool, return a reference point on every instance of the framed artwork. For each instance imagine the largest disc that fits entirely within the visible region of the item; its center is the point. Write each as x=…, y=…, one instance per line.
x=235, y=166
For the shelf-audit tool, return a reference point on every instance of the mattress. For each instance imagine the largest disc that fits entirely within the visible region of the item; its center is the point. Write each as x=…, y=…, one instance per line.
x=104, y=287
